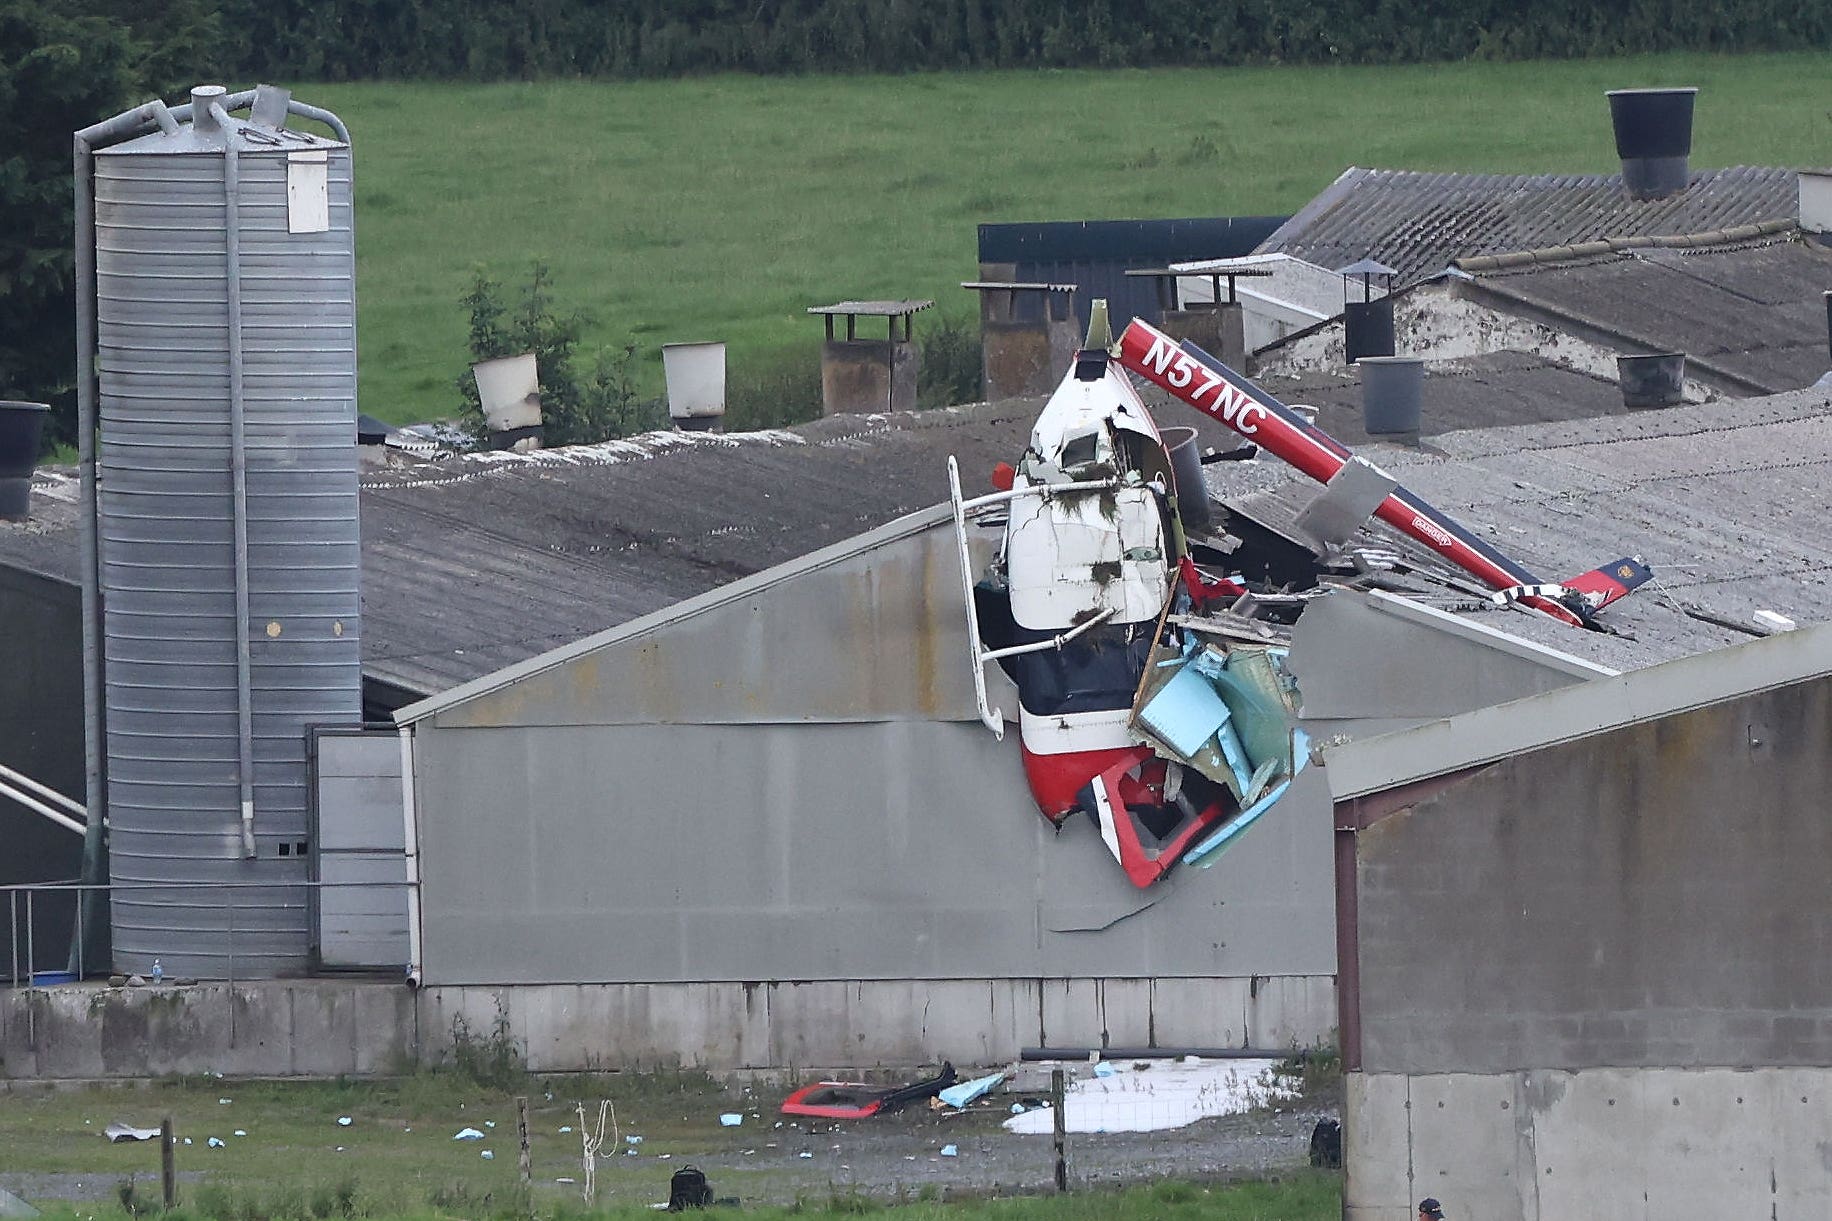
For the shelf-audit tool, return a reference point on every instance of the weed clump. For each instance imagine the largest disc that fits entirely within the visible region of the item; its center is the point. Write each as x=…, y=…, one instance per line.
x=493, y=1058
x=582, y=402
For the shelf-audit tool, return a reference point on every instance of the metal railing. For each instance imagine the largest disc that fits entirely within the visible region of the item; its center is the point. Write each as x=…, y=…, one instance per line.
x=47, y=923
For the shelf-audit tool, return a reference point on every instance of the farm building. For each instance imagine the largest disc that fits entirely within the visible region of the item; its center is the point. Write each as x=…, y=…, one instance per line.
x=555, y=799
x=1420, y=223
x=1582, y=967
x=680, y=758
x=669, y=842
x=1745, y=307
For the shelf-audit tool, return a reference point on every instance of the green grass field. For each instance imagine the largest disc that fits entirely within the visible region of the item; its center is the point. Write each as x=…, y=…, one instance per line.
x=721, y=207
x=396, y=1158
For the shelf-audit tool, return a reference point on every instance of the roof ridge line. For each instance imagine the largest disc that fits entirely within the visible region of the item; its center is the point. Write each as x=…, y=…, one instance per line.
x=614, y=451
x=1617, y=245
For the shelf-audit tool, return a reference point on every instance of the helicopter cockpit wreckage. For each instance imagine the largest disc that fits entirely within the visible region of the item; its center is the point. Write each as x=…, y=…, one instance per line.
x=1149, y=650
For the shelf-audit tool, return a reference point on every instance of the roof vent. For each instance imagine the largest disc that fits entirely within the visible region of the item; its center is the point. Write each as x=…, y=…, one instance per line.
x=1816, y=202
x=1653, y=138
x=20, y=426
x=509, y=388
x=1654, y=380
x=695, y=373
x=1392, y=391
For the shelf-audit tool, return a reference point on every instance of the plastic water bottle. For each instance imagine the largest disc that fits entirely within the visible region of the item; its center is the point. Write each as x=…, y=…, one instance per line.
x=158, y=972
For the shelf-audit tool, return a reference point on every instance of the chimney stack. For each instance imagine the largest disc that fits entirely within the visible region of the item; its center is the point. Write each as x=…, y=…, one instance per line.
x=1653, y=138
x=1367, y=324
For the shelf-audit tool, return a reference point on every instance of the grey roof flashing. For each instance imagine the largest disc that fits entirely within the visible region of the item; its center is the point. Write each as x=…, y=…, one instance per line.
x=1401, y=607
x=1373, y=765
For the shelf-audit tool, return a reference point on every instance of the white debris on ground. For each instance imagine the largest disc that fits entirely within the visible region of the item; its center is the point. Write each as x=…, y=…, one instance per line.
x=120, y=1130
x=1154, y=1095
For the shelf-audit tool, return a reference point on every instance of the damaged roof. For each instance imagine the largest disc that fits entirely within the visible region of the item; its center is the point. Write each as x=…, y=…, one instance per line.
x=1749, y=315
x=1726, y=501
x=478, y=562
x=1419, y=222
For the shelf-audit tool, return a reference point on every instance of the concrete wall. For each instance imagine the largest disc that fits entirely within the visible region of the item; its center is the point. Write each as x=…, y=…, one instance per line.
x=1433, y=322
x=322, y=1028
x=864, y=1024
x=1639, y=915
x=1639, y=1144
x=314, y=1028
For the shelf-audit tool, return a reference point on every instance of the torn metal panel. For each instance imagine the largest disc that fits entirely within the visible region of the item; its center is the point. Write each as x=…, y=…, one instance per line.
x=1347, y=501
x=1204, y=853
x=1183, y=718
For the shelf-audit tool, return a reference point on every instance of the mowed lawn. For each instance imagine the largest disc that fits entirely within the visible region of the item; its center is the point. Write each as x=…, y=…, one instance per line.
x=721, y=207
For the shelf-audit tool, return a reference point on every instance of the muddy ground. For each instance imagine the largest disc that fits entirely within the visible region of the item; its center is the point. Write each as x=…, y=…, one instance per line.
x=901, y=1154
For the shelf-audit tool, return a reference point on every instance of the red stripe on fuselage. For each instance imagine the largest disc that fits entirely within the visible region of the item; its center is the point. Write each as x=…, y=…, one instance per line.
x=1161, y=360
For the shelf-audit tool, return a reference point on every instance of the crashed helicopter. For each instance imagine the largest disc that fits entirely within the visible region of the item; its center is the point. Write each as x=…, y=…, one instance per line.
x=1145, y=702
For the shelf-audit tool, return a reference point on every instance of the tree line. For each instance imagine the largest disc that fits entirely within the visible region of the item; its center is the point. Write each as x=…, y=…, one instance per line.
x=64, y=62
x=488, y=40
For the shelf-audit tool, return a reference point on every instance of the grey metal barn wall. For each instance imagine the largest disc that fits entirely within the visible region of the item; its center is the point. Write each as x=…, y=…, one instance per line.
x=1593, y=977
x=41, y=734
x=1095, y=255
x=887, y=850
x=785, y=781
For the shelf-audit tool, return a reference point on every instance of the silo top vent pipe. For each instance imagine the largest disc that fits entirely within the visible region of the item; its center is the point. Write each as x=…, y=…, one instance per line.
x=203, y=98
x=1654, y=139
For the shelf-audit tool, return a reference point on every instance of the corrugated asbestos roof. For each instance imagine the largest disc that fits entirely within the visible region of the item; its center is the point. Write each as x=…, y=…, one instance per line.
x=1697, y=492
x=1501, y=388
x=1726, y=501
x=487, y=560
x=1419, y=223
x=1750, y=316
x=478, y=563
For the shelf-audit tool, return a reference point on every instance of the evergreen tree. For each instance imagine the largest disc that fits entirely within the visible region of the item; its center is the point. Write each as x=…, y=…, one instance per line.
x=63, y=65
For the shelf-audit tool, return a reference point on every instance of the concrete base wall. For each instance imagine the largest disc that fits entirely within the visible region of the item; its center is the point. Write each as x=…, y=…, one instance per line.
x=879, y=1023
x=1645, y=1143
x=270, y=1028
x=326, y=1027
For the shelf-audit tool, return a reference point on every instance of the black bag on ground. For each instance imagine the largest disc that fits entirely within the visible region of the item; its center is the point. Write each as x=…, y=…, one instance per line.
x=1326, y=1144
x=688, y=1189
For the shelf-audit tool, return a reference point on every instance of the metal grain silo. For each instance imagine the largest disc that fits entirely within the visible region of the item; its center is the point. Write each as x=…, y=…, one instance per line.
x=226, y=522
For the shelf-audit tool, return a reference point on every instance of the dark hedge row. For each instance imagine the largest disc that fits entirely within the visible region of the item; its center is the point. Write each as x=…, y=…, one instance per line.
x=488, y=39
